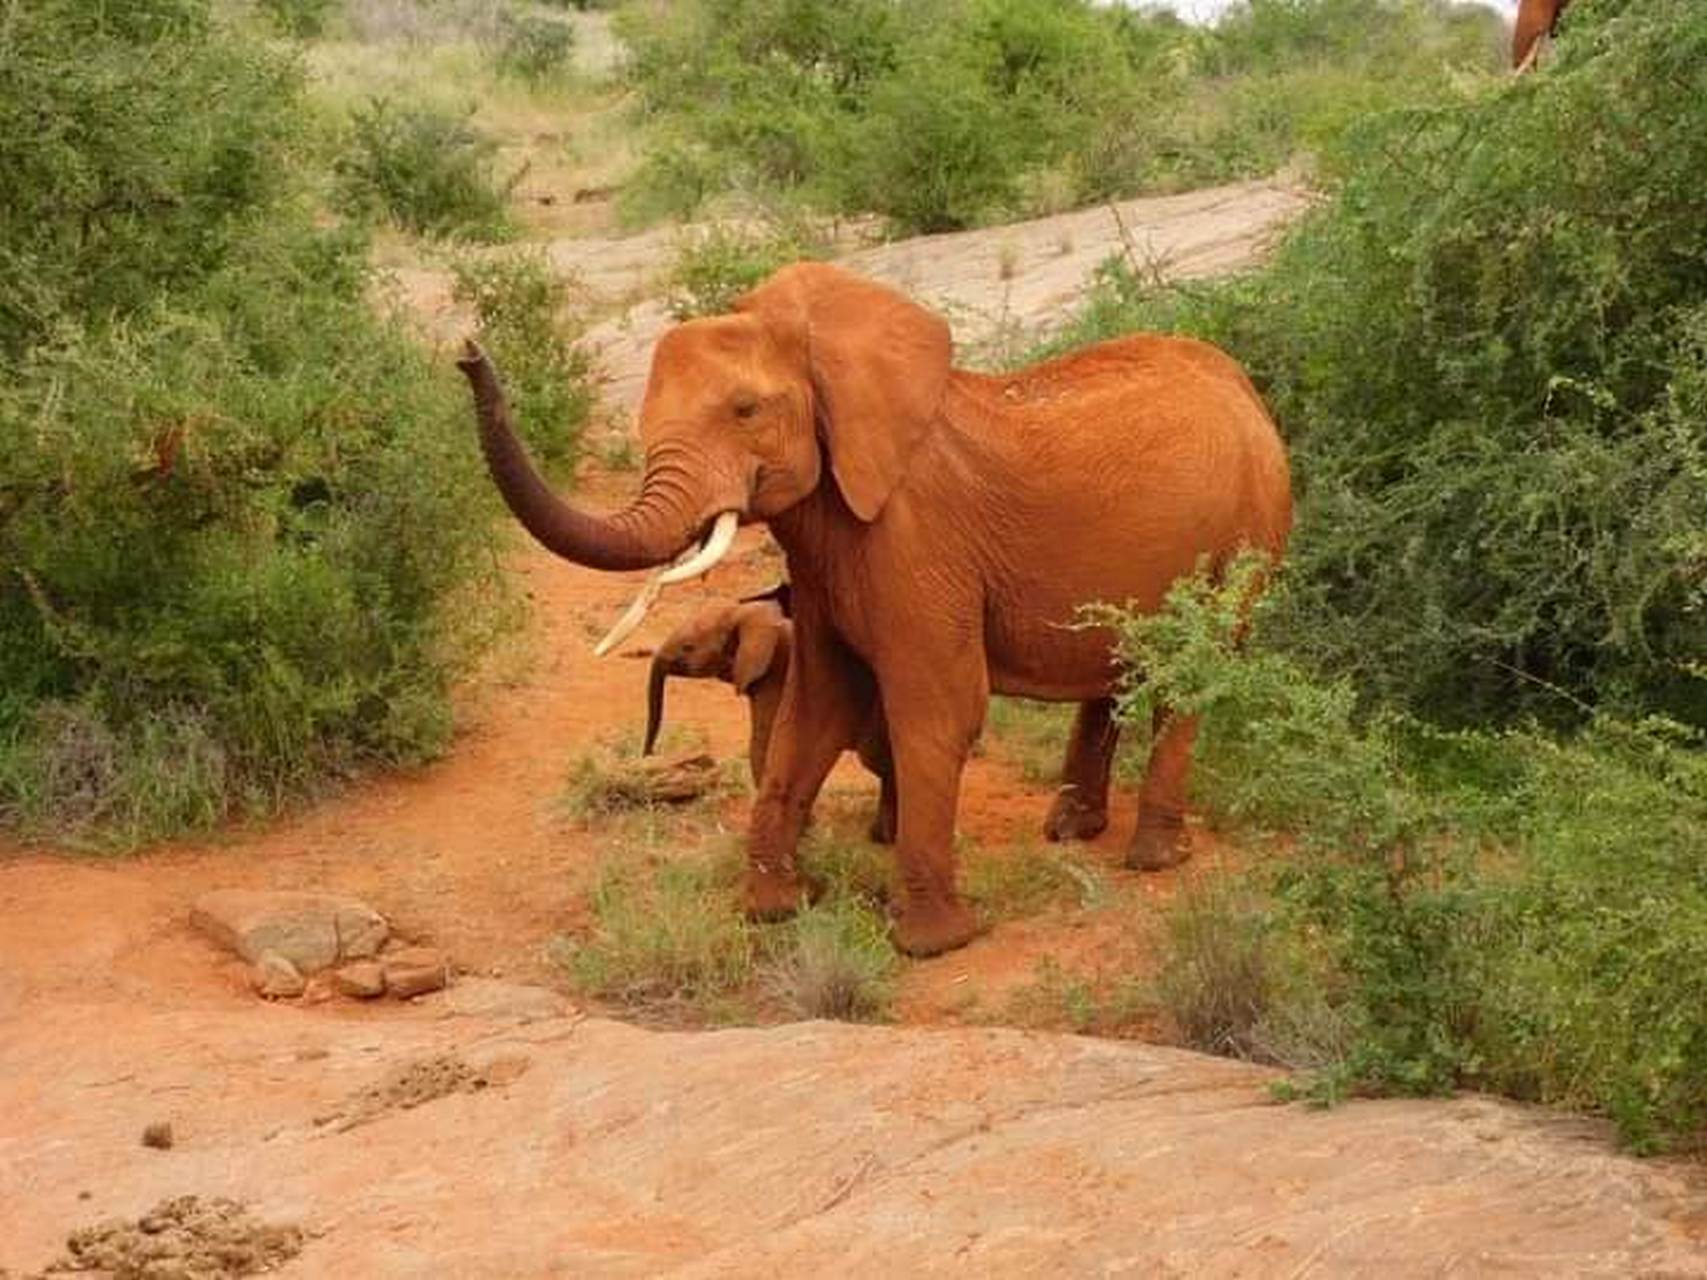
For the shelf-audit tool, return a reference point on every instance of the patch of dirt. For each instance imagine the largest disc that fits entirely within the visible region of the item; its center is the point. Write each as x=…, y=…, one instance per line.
x=186, y=1238
x=420, y=1081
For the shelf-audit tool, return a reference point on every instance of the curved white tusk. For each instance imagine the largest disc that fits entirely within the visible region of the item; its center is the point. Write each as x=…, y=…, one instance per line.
x=636, y=614
x=716, y=546
x=691, y=564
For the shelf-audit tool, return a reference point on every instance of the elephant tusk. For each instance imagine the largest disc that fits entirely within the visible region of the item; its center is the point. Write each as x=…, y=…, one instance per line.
x=691, y=565
x=716, y=546
x=636, y=614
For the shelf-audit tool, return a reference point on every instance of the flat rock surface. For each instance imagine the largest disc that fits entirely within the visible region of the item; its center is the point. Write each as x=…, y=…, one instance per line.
x=1009, y=287
x=313, y=931
x=565, y=1146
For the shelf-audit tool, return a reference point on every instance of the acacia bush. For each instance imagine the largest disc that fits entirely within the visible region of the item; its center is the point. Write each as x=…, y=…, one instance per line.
x=946, y=113
x=1489, y=353
x=428, y=170
x=237, y=505
x=1504, y=910
x=521, y=311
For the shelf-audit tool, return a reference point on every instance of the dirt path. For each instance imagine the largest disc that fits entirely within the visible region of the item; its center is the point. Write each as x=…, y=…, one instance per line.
x=472, y=854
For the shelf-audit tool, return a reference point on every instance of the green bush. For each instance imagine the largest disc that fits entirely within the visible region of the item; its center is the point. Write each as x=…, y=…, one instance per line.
x=113, y=191
x=667, y=939
x=945, y=113
x=519, y=309
x=1505, y=910
x=535, y=47
x=838, y=963
x=717, y=264
x=1489, y=353
x=429, y=171
x=243, y=535
x=301, y=19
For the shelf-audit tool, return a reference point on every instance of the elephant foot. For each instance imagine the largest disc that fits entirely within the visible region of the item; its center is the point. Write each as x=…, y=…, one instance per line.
x=1072, y=818
x=772, y=895
x=930, y=928
x=1157, y=845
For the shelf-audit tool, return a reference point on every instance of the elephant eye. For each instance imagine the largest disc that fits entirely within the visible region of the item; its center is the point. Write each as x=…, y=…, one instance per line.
x=746, y=407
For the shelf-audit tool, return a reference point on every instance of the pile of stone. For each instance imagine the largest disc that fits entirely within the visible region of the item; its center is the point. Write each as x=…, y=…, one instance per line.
x=293, y=939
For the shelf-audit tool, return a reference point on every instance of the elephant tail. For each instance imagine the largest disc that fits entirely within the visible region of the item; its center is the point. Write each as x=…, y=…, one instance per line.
x=654, y=704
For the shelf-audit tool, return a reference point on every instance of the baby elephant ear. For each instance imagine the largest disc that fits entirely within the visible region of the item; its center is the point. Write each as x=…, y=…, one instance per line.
x=760, y=641
x=879, y=365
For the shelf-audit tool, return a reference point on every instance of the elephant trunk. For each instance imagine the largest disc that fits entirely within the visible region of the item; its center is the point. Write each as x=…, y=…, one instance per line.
x=653, y=529
x=655, y=703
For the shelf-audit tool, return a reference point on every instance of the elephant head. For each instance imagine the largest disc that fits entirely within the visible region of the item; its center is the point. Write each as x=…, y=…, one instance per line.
x=740, y=644
x=815, y=370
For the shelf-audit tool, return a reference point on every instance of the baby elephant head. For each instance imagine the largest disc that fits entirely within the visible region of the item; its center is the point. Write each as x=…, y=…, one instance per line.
x=741, y=644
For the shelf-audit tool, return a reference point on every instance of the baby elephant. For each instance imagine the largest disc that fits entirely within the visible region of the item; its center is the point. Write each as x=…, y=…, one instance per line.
x=746, y=644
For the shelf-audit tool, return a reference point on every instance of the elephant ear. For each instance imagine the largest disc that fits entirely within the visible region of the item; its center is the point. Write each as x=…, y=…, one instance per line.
x=879, y=364
x=758, y=637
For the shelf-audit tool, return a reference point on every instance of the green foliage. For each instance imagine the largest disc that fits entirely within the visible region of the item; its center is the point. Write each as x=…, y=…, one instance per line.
x=1489, y=353
x=668, y=940
x=301, y=19
x=838, y=964
x=1499, y=910
x=242, y=533
x=719, y=263
x=429, y=171
x=113, y=191
x=535, y=47
x=946, y=113
x=519, y=305
x=667, y=932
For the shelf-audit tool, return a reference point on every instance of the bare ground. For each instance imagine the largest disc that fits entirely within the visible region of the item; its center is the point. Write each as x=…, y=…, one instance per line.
x=496, y=1130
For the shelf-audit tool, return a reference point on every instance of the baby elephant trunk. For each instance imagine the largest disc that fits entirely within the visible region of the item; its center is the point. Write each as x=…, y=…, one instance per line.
x=655, y=703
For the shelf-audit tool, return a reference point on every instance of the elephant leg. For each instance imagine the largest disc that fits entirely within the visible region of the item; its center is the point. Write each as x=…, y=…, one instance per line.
x=875, y=755
x=825, y=699
x=1160, y=842
x=885, y=821
x=935, y=711
x=1080, y=810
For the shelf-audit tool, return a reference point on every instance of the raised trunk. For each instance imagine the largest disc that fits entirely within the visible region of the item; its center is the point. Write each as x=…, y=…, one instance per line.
x=653, y=529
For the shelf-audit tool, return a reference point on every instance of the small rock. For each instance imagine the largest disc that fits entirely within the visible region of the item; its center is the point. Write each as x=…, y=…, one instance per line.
x=311, y=930
x=158, y=1135
x=277, y=978
x=414, y=971
x=364, y=980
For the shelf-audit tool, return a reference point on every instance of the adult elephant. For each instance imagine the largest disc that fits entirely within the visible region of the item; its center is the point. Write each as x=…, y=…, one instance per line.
x=1536, y=20
x=942, y=528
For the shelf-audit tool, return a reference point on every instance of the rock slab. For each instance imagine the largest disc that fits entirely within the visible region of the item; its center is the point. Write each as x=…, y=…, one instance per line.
x=313, y=931
x=485, y=1150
